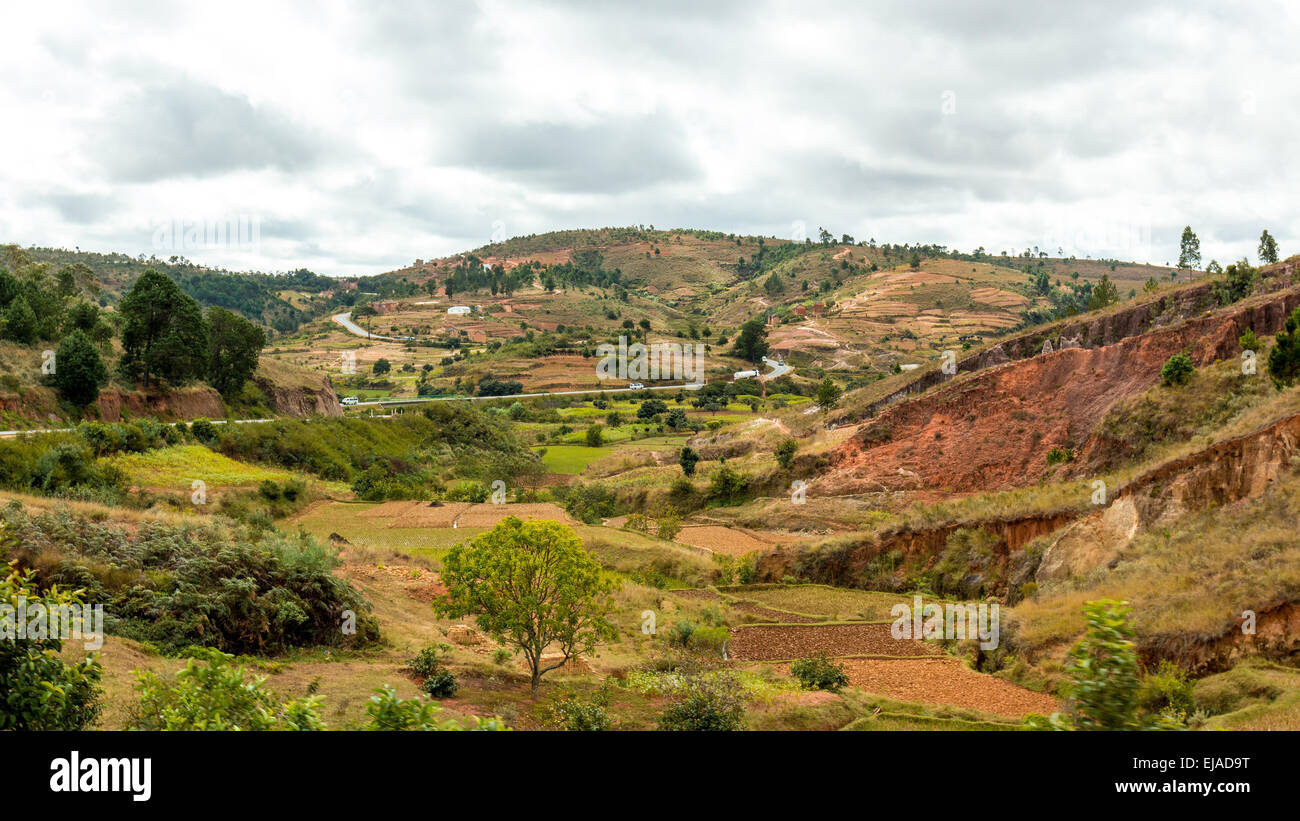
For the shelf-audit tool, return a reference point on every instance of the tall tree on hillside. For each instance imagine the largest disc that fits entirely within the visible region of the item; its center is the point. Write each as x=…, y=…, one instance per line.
x=1267, y=248
x=1284, y=359
x=1104, y=294
x=163, y=332
x=1189, y=253
x=20, y=321
x=78, y=370
x=234, y=344
x=751, y=344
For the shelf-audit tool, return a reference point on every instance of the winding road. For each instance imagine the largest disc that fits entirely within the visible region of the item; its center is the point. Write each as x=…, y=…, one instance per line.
x=345, y=319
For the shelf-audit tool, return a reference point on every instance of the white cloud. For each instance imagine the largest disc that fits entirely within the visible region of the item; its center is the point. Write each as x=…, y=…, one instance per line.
x=363, y=136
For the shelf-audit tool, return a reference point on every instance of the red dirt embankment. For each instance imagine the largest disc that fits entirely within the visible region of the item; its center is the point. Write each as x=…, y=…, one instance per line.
x=994, y=428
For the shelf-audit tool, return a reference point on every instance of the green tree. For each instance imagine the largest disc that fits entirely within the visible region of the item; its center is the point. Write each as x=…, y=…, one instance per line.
x=163, y=331
x=774, y=286
x=20, y=321
x=828, y=394
x=785, y=452
x=234, y=345
x=381, y=366
x=1178, y=370
x=751, y=343
x=531, y=585
x=688, y=459
x=1189, y=249
x=1104, y=294
x=1284, y=359
x=1238, y=282
x=38, y=691
x=1267, y=248
x=595, y=436
x=1249, y=341
x=78, y=370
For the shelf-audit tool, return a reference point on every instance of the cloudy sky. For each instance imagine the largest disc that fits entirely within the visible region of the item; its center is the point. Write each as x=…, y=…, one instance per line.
x=355, y=138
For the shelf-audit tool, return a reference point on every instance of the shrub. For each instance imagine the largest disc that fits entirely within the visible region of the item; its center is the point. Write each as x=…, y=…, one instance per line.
x=204, y=431
x=1177, y=371
x=582, y=716
x=387, y=711
x=38, y=691
x=441, y=684
x=709, y=640
x=679, y=635
x=819, y=673
x=785, y=452
x=210, y=693
x=711, y=703
x=688, y=458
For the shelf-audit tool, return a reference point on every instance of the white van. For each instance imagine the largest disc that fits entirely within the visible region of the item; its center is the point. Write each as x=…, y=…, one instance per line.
x=636, y=386
x=349, y=400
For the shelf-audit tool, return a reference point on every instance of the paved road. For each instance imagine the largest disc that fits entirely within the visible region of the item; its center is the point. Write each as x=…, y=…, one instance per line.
x=345, y=319
x=778, y=369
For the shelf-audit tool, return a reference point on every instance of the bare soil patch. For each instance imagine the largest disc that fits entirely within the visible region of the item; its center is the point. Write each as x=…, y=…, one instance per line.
x=793, y=641
x=722, y=540
x=426, y=515
x=944, y=681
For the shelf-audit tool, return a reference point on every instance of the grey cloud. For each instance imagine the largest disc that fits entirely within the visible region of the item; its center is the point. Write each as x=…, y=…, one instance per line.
x=610, y=156
x=190, y=129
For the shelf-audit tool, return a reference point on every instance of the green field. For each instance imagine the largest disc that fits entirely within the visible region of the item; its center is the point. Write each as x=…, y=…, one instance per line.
x=571, y=459
x=179, y=466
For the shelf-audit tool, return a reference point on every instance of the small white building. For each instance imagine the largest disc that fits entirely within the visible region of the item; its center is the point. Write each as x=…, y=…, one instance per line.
x=458, y=310
x=744, y=375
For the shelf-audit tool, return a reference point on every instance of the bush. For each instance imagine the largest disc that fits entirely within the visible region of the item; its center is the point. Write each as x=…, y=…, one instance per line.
x=210, y=693
x=204, y=431
x=582, y=716
x=679, y=635
x=819, y=673
x=387, y=711
x=38, y=691
x=1177, y=371
x=710, y=640
x=708, y=703
x=210, y=584
x=439, y=682
x=785, y=452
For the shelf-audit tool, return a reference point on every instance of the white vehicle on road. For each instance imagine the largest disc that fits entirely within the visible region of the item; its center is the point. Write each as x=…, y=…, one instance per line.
x=349, y=400
x=636, y=386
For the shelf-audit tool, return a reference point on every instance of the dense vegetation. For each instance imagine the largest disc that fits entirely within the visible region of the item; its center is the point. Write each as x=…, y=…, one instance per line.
x=213, y=584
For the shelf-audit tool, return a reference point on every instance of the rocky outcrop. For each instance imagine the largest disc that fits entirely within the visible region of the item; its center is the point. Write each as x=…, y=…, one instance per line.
x=845, y=566
x=1239, y=468
x=300, y=400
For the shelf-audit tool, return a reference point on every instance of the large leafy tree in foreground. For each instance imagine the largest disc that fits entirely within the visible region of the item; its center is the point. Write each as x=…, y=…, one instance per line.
x=531, y=586
x=163, y=333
